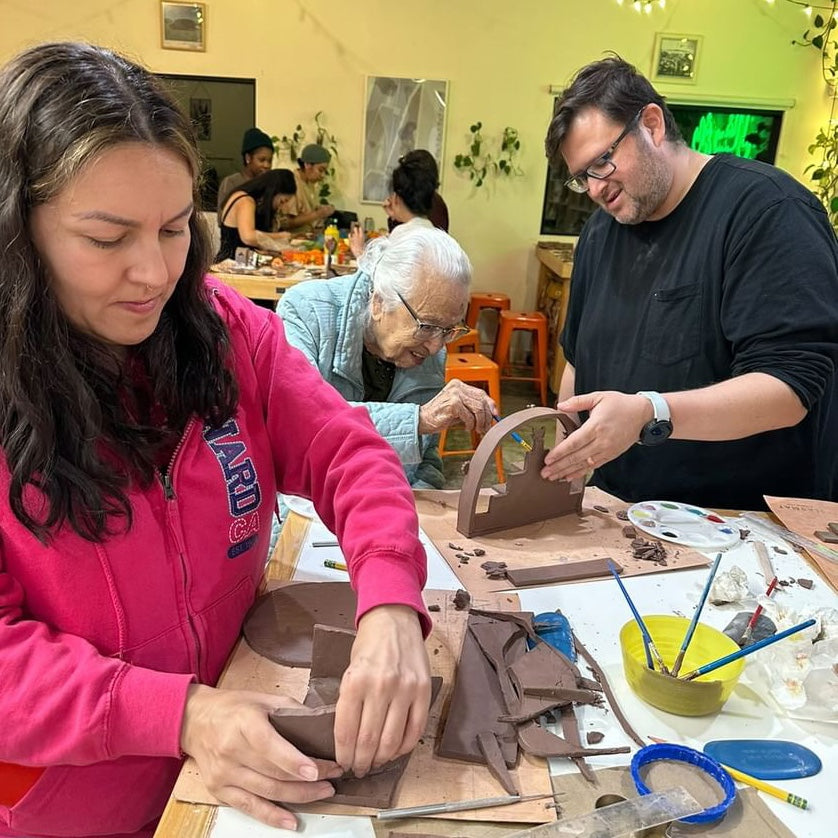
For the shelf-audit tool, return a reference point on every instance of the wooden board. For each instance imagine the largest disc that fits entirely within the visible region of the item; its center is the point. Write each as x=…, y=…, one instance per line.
x=593, y=534
x=428, y=778
x=805, y=517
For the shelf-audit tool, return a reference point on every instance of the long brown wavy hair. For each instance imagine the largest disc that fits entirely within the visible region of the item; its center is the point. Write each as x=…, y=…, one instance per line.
x=72, y=426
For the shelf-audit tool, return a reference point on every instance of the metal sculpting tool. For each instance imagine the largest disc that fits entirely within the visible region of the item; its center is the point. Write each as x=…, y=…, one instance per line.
x=456, y=806
x=648, y=643
x=696, y=614
x=734, y=656
x=777, y=531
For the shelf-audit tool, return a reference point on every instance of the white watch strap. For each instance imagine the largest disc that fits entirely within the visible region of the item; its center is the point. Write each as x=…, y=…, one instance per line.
x=659, y=405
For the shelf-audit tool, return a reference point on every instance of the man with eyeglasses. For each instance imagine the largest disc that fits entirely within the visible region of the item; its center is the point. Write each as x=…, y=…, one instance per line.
x=702, y=328
x=378, y=336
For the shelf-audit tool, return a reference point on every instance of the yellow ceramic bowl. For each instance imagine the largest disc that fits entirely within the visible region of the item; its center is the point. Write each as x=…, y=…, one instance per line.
x=699, y=697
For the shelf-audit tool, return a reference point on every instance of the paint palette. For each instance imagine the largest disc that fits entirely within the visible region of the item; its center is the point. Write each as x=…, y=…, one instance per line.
x=684, y=524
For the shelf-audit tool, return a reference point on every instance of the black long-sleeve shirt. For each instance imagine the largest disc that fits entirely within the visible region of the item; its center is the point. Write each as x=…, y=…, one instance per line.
x=741, y=277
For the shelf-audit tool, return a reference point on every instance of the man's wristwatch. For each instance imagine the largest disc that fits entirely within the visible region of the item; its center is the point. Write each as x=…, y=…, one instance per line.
x=660, y=428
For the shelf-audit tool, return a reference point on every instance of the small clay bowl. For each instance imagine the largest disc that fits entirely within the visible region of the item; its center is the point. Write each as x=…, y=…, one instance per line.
x=700, y=697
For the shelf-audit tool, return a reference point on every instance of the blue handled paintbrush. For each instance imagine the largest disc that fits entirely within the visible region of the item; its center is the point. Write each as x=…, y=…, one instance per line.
x=694, y=622
x=648, y=643
x=734, y=656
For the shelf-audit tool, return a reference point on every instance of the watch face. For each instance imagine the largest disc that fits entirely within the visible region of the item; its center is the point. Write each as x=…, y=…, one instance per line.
x=656, y=432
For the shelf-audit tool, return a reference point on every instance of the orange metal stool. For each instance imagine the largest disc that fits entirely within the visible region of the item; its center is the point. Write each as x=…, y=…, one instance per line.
x=529, y=321
x=473, y=367
x=469, y=342
x=485, y=299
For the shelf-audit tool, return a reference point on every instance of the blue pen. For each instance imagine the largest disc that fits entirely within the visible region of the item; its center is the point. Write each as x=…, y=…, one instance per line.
x=516, y=436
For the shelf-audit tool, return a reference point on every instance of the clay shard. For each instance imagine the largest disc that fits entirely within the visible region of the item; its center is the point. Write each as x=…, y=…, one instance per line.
x=827, y=536
x=523, y=577
x=833, y=527
x=493, y=757
x=528, y=498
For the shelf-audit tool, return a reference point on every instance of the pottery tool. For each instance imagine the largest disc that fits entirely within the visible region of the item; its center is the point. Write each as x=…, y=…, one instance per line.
x=334, y=565
x=516, y=436
x=683, y=523
x=776, y=531
x=709, y=667
x=648, y=644
x=456, y=806
x=325, y=544
x=766, y=759
x=755, y=782
x=696, y=614
x=746, y=635
x=637, y=813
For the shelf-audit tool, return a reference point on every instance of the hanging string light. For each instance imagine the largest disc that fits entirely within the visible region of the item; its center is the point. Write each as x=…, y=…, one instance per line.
x=646, y=6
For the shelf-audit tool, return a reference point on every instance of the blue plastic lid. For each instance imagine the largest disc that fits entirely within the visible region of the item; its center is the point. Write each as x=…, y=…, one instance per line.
x=765, y=759
x=681, y=753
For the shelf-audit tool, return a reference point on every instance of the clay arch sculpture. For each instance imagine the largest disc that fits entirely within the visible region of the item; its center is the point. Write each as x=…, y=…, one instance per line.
x=528, y=498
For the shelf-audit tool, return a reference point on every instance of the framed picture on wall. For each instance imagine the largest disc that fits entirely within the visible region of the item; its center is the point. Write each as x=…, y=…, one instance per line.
x=400, y=115
x=675, y=58
x=183, y=26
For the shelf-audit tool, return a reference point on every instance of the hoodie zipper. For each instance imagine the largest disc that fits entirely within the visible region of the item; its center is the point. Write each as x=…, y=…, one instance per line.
x=171, y=514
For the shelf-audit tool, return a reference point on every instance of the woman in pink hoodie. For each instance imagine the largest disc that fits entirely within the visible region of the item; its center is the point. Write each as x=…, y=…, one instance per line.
x=148, y=418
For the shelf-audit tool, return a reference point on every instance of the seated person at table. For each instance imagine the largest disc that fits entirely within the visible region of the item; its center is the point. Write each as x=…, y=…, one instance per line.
x=711, y=279
x=257, y=158
x=378, y=337
x=148, y=416
x=305, y=214
x=413, y=198
x=248, y=215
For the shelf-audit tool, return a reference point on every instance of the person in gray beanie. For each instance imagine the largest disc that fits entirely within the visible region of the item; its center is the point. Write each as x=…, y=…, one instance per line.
x=306, y=214
x=257, y=158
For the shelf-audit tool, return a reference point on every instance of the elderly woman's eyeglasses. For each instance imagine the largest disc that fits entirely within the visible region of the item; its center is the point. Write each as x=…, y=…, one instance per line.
x=603, y=166
x=429, y=331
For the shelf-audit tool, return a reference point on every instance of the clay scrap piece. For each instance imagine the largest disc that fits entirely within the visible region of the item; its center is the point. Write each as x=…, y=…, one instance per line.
x=594, y=737
x=462, y=599
x=650, y=551
x=601, y=508
x=527, y=498
x=523, y=577
x=833, y=527
x=629, y=531
x=280, y=624
x=827, y=536
x=622, y=514
x=805, y=583
x=495, y=570
x=493, y=757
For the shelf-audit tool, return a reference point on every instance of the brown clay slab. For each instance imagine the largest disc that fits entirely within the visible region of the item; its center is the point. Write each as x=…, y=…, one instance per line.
x=550, y=574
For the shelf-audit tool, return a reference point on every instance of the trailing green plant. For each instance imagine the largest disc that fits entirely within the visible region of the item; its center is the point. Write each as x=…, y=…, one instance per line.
x=294, y=141
x=478, y=163
x=824, y=174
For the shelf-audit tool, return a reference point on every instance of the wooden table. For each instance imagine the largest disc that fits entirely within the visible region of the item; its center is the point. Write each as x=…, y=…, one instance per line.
x=551, y=298
x=260, y=287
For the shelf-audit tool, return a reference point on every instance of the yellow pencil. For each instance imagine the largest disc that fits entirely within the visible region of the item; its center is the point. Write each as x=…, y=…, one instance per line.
x=334, y=565
x=760, y=785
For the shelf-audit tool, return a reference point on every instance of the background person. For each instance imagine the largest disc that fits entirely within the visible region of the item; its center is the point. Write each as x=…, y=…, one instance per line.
x=378, y=337
x=248, y=217
x=711, y=282
x=148, y=417
x=257, y=158
x=305, y=214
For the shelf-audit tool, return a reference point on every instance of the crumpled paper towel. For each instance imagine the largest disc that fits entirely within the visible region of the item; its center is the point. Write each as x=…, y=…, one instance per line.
x=730, y=586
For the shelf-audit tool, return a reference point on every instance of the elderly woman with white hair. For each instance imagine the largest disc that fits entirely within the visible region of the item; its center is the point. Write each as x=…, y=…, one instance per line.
x=378, y=337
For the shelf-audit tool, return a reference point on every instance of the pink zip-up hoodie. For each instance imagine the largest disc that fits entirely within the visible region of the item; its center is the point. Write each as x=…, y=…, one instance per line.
x=99, y=642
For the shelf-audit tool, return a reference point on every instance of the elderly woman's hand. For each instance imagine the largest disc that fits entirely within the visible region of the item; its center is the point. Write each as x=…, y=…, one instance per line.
x=457, y=402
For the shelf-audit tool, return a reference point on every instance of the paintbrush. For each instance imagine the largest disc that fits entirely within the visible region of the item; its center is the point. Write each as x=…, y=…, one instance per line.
x=516, y=436
x=734, y=656
x=746, y=635
x=648, y=643
x=694, y=622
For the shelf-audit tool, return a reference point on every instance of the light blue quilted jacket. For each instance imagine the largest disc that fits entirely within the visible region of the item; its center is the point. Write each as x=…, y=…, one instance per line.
x=325, y=319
